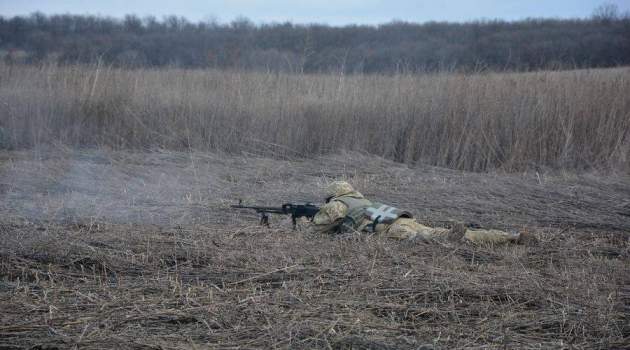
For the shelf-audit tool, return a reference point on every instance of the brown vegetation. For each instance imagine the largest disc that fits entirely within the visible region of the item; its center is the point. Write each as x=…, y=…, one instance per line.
x=123, y=250
x=105, y=245
x=211, y=287
x=571, y=120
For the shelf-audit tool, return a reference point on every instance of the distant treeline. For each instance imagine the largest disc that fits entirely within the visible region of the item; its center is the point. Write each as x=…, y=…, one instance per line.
x=600, y=41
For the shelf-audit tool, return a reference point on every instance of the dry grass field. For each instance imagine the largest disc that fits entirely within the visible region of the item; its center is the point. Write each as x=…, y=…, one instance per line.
x=115, y=249
x=116, y=229
x=573, y=120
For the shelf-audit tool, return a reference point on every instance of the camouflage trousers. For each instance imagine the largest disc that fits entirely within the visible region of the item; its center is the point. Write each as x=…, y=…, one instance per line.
x=410, y=229
x=404, y=228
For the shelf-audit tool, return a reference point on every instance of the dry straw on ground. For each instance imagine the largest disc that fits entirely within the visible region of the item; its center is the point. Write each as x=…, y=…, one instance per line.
x=573, y=119
x=140, y=251
x=211, y=287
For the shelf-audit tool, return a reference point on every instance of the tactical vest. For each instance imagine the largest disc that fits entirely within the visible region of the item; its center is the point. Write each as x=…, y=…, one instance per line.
x=378, y=213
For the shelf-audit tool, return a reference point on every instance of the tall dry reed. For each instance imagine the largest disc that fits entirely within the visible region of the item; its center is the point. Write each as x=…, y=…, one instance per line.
x=571, y=120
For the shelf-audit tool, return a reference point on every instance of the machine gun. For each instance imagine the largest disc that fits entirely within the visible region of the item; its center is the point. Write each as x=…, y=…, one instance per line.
x=296, y=211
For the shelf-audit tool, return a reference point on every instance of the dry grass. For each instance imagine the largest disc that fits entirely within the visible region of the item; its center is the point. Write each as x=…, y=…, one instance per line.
x=109, y=248
x=570, y=120
x=242, y=287
x=179, y=188
x=112, y=249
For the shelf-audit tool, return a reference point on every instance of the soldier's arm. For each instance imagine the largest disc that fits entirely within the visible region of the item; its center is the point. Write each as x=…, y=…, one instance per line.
x=329, y=216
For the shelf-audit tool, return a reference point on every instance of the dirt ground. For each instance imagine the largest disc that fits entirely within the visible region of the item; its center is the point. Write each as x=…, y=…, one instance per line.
x=141, y=250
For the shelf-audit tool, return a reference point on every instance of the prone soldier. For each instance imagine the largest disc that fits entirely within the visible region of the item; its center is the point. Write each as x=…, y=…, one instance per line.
x=347, y=210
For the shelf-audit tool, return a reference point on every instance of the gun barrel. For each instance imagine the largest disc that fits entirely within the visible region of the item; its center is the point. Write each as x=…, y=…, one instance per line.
x=276, y=210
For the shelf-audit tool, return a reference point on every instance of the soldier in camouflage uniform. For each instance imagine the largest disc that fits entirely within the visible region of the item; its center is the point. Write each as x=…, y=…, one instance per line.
x=347, y=210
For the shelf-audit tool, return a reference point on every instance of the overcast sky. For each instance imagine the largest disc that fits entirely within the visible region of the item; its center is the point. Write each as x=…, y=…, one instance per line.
x=334, y=12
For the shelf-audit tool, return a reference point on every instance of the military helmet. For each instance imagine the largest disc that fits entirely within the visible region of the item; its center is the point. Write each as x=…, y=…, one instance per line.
x=338, y=188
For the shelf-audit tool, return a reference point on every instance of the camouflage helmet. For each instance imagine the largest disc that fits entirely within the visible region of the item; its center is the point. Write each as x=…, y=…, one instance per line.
x=338, y=188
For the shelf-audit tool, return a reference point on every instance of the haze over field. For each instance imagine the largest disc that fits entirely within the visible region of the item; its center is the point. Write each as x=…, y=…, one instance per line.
x=323, y=11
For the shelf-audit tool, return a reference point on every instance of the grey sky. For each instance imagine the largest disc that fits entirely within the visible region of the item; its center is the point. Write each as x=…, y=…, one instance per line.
x=336, y=12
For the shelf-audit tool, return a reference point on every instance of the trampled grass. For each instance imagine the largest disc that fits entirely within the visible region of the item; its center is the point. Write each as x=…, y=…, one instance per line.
x=139, y=251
